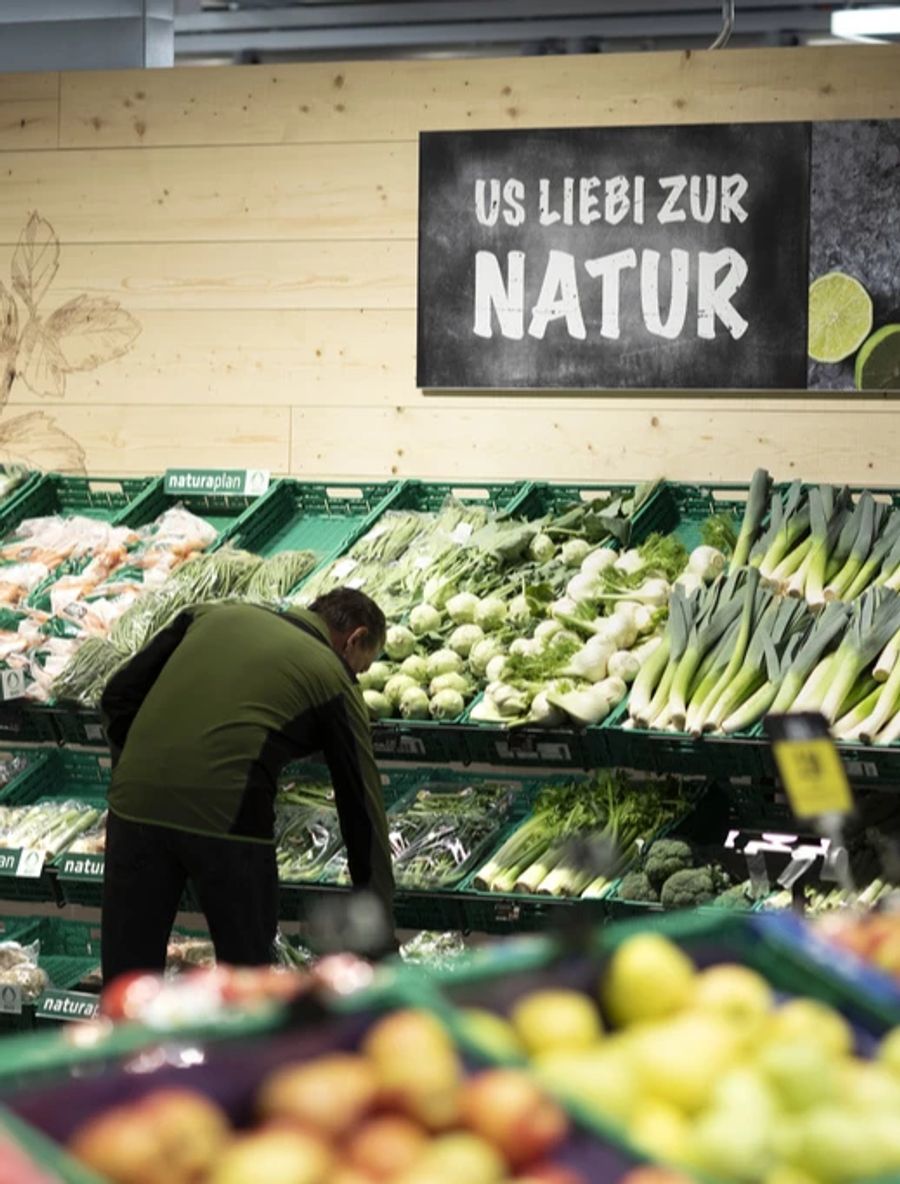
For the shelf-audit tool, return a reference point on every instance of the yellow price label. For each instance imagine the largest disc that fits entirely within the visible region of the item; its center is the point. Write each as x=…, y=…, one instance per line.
x=813, y=777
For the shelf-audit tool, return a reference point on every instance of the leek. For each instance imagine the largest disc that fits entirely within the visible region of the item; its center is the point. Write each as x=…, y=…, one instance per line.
x=754, y=512
x=874, y=621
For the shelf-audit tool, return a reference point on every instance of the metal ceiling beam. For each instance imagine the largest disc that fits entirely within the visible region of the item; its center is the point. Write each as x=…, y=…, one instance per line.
x=311, y=16
x=808, y=20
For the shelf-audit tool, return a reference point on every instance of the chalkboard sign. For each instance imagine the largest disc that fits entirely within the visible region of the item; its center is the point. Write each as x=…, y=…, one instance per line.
x=614, y=257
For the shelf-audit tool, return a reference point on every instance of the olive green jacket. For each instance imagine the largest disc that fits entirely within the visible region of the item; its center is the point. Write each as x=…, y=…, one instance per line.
x=204, y=718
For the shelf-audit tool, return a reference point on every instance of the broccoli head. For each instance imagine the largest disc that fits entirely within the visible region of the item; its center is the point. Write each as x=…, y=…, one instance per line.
x=736, y=897
x=664, y=858
x=636, y=886
x=688, y=888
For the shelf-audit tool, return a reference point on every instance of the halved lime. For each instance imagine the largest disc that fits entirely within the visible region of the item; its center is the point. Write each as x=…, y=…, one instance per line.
x=878, y=361
x=840, y=317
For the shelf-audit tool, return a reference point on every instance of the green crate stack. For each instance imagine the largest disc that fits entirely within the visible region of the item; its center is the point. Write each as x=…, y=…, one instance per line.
x=486, y=743
x=69, y=950
x=107, y=499
x=83, y=776
x=310, y=516
x=429, y=740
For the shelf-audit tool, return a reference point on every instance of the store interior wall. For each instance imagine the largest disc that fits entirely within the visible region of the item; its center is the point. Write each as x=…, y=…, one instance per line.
x=225, y=266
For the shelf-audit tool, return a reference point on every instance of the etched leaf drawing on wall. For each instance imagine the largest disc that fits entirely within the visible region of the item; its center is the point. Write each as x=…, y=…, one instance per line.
x=42, y=350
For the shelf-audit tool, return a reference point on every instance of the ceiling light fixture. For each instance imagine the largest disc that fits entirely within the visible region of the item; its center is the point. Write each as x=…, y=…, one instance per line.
x=866, y=23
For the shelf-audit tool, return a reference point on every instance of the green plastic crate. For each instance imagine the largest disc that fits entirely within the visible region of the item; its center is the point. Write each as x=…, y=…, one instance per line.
x=430, y=496
x=77, y=725
x=221, y=511
x=492, y=744
x=670, y=752
x=105, y=498
x=309, y=516
x=538, y=498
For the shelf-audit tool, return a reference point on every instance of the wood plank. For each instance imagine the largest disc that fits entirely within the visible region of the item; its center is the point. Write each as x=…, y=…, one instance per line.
x=140, y=440
x=354, y=101
x=316, y=191
x=15, y=88
x=342, y=358
x=28, y=124
x=240, y=357
x=239, y=275
x=594, y=443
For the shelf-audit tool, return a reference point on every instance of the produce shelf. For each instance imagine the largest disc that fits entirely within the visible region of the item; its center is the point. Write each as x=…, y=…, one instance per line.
x=680, y=509
x=533, y=747
x=69, y=950
x=310, y=516
x=538, y=498
x=105, y=498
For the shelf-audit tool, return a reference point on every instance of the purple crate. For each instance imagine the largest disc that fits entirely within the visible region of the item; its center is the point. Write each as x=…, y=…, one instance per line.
x=230, y=1075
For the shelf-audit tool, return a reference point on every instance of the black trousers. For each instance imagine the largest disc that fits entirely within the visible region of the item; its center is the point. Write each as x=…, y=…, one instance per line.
x=147, y=867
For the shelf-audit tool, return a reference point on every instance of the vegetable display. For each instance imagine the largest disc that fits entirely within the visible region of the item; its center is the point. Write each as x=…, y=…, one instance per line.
x=438, y=834
x=307, y=832
x=467, y=587
x=737, y=650
x=48, y=827
x=580, y=837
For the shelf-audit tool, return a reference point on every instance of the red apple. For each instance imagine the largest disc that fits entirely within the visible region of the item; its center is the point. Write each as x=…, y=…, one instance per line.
x=507, y=1108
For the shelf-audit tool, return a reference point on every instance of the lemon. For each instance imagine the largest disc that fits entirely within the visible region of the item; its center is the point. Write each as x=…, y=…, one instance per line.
x=736, y=993
x=681, y=1060
x=808, y=1019
x=558, y=1019
x=648, y=978
x=660, y=1130
x=878, y=361
x=840, y=317
x=601, y=1079
x=889, y=1051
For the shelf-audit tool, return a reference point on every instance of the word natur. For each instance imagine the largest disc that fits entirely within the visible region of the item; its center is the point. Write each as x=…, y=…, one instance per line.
x=718, y=275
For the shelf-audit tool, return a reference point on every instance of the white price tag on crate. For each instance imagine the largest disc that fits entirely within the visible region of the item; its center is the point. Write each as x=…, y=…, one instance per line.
x=31, y=863
x=11, y=999
x=12, y=684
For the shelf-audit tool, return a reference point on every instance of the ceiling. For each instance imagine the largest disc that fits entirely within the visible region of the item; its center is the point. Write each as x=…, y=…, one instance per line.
x=240, y=31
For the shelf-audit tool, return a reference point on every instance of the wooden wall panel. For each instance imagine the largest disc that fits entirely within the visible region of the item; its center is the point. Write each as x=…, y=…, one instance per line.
x=29, y=111
x=259, y=226
x=233, y=275
x=240, y=357
x=720, y=442
x=126, y=440
x=175, y=195
x=367, y=101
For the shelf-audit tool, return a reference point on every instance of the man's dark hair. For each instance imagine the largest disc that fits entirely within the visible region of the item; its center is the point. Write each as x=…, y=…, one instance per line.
x=344, y=609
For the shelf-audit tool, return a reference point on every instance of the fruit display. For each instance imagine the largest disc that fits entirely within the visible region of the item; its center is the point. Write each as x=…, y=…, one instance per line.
x=706, y=1068
x=874, y=938
x=394, y=1104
